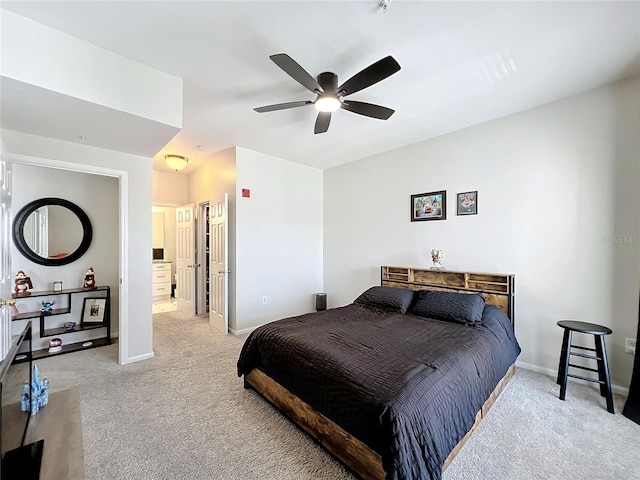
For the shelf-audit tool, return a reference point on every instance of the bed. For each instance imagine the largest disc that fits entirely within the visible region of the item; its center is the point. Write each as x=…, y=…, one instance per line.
x=394, y=383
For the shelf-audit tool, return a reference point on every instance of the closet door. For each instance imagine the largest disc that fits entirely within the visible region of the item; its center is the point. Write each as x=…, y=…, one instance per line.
x=219, y=266
x=185, y=259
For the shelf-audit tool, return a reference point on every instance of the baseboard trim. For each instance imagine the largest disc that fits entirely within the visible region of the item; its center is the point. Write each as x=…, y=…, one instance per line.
x=244, y=331
x=138, y=358
x=554, y=373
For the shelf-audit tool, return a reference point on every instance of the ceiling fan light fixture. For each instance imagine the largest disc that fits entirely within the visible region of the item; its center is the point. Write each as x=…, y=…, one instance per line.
x=330, y=94
x=176, y=162
x=327, y=103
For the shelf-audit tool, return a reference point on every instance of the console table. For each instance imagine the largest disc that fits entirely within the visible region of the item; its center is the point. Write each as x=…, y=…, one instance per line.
x=63, y=307
x=59, y=423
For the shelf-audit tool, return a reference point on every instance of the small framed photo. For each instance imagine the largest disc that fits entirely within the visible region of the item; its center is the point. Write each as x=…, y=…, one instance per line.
x=93, y=310
x=467, y=203
x=429, y=206
x=57, y=286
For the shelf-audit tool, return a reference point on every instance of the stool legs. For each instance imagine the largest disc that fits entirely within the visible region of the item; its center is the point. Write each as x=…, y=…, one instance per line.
x=564, y=367
x=603, y=372
x=564, y=354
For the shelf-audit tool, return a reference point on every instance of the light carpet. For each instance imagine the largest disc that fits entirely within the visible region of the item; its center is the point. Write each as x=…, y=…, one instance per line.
x=185, y=415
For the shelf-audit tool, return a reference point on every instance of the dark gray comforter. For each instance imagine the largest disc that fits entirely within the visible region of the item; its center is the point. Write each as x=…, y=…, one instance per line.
x=407, y=386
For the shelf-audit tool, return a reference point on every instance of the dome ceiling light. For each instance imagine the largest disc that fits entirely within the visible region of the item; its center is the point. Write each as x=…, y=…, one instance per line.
x=176, y=162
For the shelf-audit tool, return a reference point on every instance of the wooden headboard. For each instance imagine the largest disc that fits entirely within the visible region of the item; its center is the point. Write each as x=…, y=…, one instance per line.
x=496, y=288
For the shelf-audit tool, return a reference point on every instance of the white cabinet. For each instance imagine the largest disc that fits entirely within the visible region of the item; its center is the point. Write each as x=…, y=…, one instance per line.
x=161, y=280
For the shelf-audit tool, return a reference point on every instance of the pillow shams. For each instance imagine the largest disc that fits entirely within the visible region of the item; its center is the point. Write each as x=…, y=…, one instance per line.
x=449, y=306
x=394, y=300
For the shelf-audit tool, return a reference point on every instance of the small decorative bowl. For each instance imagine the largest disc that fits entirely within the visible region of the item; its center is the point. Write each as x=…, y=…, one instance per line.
x=69, y=325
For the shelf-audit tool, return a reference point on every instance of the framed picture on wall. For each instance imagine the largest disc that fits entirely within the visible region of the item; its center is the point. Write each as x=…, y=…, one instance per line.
x=93, y=311
x=429, y=206
x=467, y=203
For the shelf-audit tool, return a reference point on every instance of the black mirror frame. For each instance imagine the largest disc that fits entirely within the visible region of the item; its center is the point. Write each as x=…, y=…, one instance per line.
x=28, y=209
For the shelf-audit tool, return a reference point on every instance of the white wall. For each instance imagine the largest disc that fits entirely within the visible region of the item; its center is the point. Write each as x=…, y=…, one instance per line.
x=558, y=203
x=157, y=223
x=98, y=196
x=275, y=235
x=39, y=55
x=137, y=214
x=169, y=189
x=279, y=238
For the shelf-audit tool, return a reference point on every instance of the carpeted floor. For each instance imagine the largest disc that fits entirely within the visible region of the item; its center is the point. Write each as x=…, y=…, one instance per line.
x=185, y=415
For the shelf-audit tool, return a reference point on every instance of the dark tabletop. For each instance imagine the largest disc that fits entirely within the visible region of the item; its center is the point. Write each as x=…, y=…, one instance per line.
x=584, y=327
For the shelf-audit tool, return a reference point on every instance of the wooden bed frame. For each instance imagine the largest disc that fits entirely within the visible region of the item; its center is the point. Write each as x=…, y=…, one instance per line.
x=358, y=457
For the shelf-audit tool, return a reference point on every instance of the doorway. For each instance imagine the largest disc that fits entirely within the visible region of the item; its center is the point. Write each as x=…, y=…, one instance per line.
x=164, y=258
x=193, y=258
x=120, y=294
x=203, y=259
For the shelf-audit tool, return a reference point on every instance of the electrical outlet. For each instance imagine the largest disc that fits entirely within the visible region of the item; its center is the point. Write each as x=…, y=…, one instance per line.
x=630, y=345
x=265, y=300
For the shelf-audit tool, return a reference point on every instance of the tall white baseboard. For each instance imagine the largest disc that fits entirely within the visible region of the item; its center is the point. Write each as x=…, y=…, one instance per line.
x=554, y=373
x=244, y=331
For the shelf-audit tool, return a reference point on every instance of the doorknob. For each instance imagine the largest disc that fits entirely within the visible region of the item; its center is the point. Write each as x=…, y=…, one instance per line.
x=220, y=272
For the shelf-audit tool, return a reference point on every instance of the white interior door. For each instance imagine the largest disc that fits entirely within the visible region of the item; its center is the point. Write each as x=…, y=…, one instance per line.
x=218, y=269
x=185, y=259
x=5, y=253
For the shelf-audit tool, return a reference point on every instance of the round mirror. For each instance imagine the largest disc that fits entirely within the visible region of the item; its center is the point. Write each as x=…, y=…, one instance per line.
x=52, y=231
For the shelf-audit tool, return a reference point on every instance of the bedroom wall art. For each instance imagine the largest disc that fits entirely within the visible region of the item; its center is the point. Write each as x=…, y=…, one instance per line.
x=429, y=206
x=467, y=203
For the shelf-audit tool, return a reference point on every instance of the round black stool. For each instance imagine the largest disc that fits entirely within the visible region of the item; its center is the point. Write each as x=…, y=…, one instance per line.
x=598, y=332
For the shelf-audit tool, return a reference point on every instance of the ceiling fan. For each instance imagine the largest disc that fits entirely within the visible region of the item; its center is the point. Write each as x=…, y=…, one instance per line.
x=330, y=96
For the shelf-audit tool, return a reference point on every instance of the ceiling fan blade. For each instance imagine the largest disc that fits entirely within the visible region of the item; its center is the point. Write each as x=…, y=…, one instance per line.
x=372, y=74
x=282, y=106
x=295, y=71
x=322, y=122
x=368, y=109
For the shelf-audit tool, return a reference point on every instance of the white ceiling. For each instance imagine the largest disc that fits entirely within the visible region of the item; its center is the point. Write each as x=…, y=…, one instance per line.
x=463, y=63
